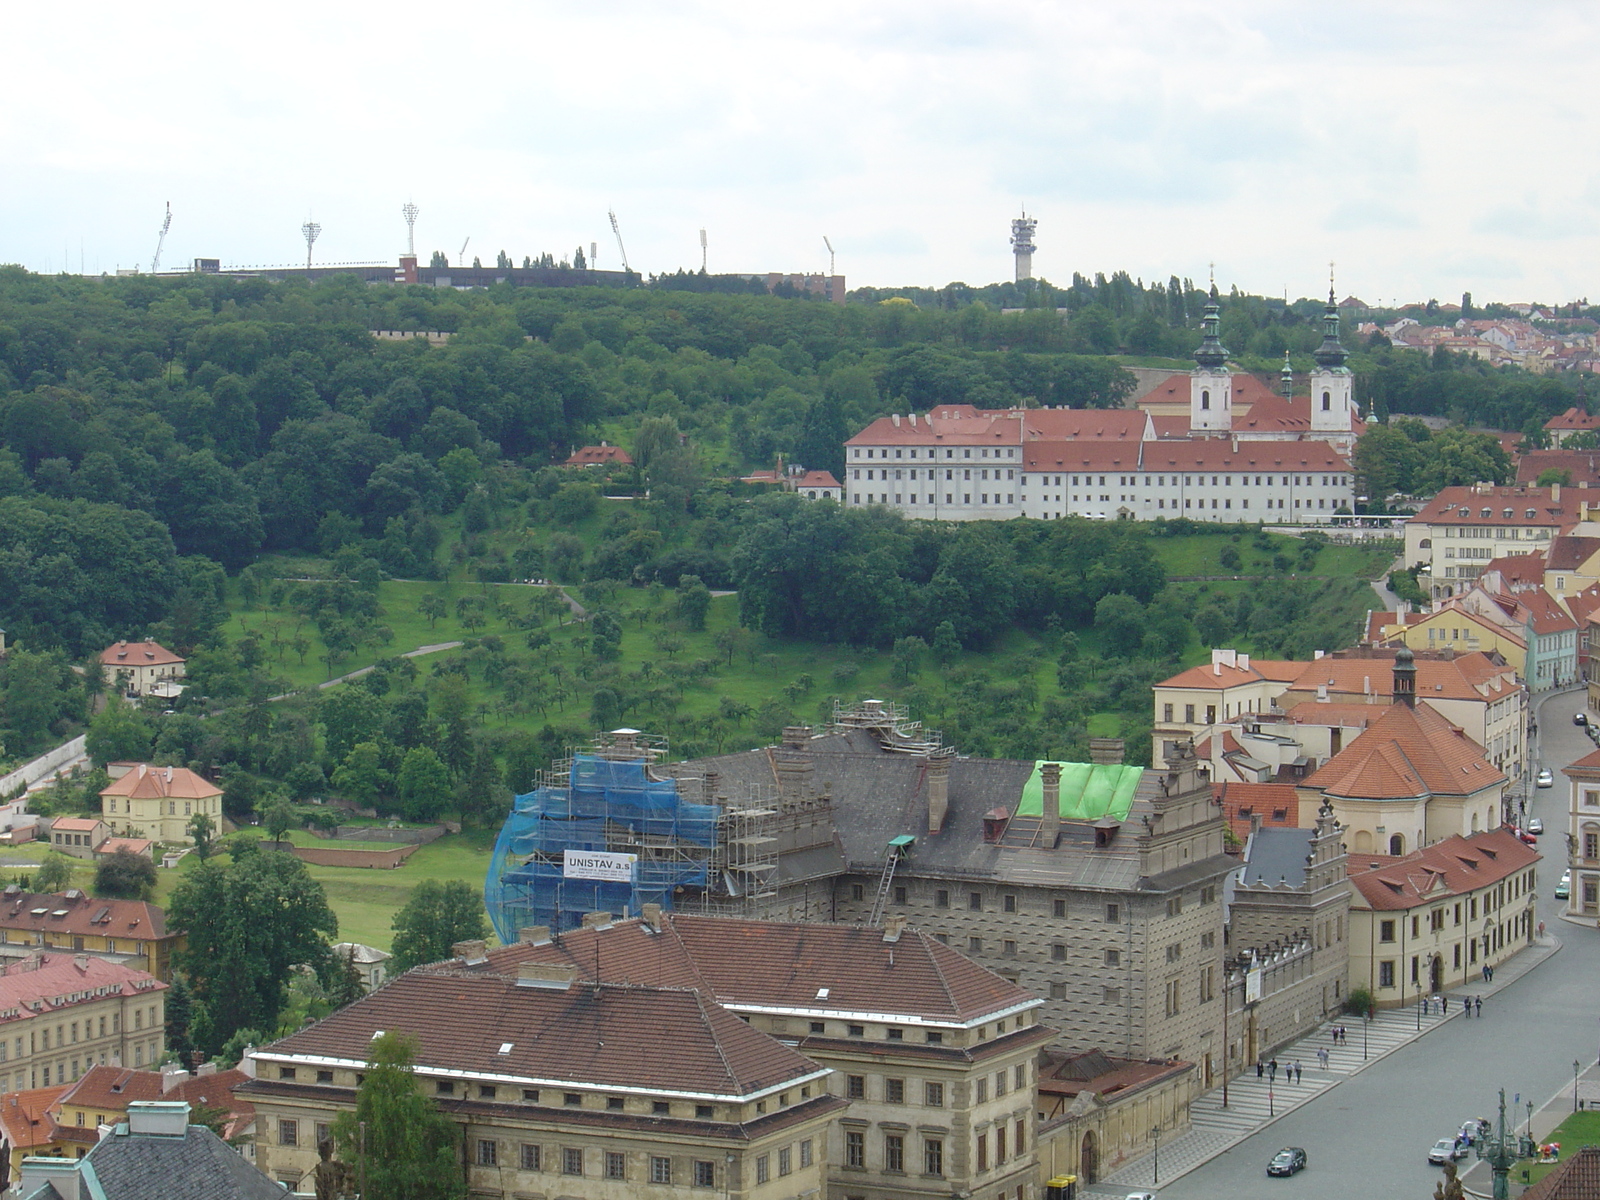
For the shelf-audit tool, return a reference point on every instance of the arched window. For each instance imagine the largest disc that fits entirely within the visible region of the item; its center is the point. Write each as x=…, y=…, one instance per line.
x=1363, y=842
x=1327, y=401
x=1205, y=400
x=1397, y=845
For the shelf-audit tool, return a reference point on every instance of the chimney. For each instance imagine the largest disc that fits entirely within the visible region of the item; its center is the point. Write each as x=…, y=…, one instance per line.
x=1555, y=493
x=1106, y=751
x=60, y=1173
x=597, y=920
x=534, y=935
x=471, y=953
x=938, y=789
x=1050, y=817
x=158, y=1118
x=650, y=916
x=171, y=1076
x=556, y=976
x=895, y=417
x=893, y=926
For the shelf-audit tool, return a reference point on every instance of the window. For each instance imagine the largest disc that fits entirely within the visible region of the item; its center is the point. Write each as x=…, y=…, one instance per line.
x=1113, y=913
x=855, y=1087
x=857, y=1030
x=1174, y=952
x=661, y=1168
x=1058, y=907
x=705, y=1173
x=983, y=1152
x=288, y=1132
x=975, y=901
x=324, y=1131
x=488, y=1152
x=785, y=1165
x=981, y=1092
x=530, y=1158
x=1386, y=931
x=805, y=1153
x=1008, y=948
x=283, y=1072
x=894, y=1035
x=1008, y=903
x=1058, y=952
x=941, y=898
x=1113, y=957
x=572, y=1099
x=999, y=1084
x=1166, y=712
x=702, y=1112
x=894, y=1152
x=933, y=1156
x=935, y=1037
x=894, y=1091
x=1019, y=1079
x=530, y=1095
x=571, y=1160
x=933, y=1095
x=855, y=1148
x=486, y=1091
x=858, y=891
x=1173, y=997
x=616, y=1165
x=324, y=1076
x=899, y=894
x=1174, y=906
x=975, y=944
x=1058, y=990
x=1386, y=973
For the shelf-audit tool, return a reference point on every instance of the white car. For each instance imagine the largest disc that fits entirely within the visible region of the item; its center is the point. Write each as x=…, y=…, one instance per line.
x=1545, y=778
x=1535, y=826
x=1446, y=1150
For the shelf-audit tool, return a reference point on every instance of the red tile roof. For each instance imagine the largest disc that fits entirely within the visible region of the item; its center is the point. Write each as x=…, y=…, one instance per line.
x=1453, y=867
x=1519, y=570
x=25, y=1117
x=773, y=964
x=1568, y=552
x=145, y=782
x=591, y=456
x=80, y=915
x=1465, y=677
x=817, y=479
x=1081, y=456
x=138, y=654
x=1583, y=466
x=1546, y=615
x=1221, y=454
x=943, y=427
x=46, y=982
x=608, y=1035
x=1576, y=1177
x=1573, y=418
x=1240, y=800
x=1222, y=675
x=1408, y=752
x=1504, y=506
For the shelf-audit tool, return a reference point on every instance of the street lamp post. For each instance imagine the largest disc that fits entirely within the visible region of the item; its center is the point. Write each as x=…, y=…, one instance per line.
x=1155, y=1174
x=1499, y=1150
x=1574, y=1085
x=1366, y=1020
x=1272, y=1078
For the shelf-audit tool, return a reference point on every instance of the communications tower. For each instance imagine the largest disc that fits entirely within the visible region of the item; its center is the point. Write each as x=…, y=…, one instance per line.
x=1022, y=244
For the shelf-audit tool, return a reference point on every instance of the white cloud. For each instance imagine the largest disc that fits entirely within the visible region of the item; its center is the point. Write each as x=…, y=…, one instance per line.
x=1416, y=144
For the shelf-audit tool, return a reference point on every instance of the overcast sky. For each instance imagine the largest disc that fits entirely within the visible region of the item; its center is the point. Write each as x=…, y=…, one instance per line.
x=1428, y=148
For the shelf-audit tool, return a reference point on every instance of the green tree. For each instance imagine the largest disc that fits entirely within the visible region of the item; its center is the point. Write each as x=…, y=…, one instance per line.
x=277, y=818
x=451, y=708
x=484, y=798
x=247, y=926
x=54, y=873
x=118, y=733
x=437, y=916
x=1120, y=620
x=203, y=833
x=361, y=776
x=694, y=601
x=125, y=876
x=422, y=785
x=404, y=1148
x=432, y=607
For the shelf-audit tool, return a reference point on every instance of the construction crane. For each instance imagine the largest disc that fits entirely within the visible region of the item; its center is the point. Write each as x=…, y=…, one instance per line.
x=155, y=262
x=829, y=245
x=461, y=254
x=623, y=250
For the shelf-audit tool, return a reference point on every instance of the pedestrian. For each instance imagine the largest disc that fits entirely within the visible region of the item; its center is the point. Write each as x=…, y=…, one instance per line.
x=1444, y=1005
x=1491, y=974
x=1261, y=1068
x=1478, y=1004
x=1298, y=1072
x=1272, y=1068
x=1322, y=1056
x=1486, y=972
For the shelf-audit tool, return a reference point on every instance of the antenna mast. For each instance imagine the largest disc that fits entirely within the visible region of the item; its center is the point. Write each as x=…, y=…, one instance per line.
x=155, y=262
x=1022, y=244
x=409, y=211
x=702, y=252
x=621, y=249
x=310, y=231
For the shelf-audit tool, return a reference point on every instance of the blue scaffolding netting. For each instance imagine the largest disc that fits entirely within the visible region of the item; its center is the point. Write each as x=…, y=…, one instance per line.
x=608, y=805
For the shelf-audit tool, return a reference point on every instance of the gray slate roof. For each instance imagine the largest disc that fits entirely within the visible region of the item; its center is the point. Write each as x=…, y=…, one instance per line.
x=1277, y=854
x=198, y=1166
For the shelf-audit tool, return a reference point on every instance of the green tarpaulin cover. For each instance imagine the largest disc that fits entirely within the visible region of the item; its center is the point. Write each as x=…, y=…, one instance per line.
x=1089, y=791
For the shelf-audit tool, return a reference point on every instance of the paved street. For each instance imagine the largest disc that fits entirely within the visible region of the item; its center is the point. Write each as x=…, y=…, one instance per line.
x=1368, y=1134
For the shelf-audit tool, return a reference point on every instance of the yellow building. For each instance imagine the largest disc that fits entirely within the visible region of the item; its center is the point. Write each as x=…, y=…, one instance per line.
x=1455, y=628
x=1432, y=920
x=142, y=668
x=158, y=802
x=132, y=932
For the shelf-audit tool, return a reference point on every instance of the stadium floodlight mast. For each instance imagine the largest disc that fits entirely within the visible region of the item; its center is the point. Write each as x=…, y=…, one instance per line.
x=410, y=211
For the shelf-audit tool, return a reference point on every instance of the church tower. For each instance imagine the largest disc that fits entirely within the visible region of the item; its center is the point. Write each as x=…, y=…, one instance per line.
x=1210, y=384
x=1332, y=402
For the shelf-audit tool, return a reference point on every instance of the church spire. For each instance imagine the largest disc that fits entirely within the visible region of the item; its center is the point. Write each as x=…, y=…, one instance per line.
x=1331, y=354
x=1211, y=353
x=1287, y=378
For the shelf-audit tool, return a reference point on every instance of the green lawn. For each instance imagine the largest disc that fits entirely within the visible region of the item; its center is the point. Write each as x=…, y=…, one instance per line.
x=1201, y=555
x=1580, y=1129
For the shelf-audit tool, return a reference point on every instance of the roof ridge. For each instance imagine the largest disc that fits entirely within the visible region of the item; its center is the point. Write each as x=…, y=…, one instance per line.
x=715, y=1036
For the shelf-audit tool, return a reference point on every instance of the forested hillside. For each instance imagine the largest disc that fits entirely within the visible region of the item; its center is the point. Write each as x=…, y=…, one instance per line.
x=175, y=449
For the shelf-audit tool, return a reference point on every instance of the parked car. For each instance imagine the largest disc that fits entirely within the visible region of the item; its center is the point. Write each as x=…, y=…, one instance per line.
x=1287, y=1161
x=1578, y=718
x=1564, y=888
x=1446, y=1150
x=1535, y=826
x=1544, y=778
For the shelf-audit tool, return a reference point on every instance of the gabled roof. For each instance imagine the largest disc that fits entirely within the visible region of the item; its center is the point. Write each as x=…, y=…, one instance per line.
x=81, y=915
x=49, y=982
x=1453, y=867
x=1519, y=571
x=1241, y=801
x=112, y=1089
x=769, y=964
x=145, y=782
x=1568, y=551
x=1545, y=506
x=1544, y=614
x=669, y=1038
x=77, y=824
x=1463, y=677
x=1573, y=418
x=1410, y=752
x=952, y=425
x=1583, y=465
x=1081, y=456
x=1220, y=454
x=25, y=1117
x=197, y=1166
x=817, y=479
x=1453, y=608
x=1576, y=1177
x=591, y=456
x=138, y=654
x=1225, y=675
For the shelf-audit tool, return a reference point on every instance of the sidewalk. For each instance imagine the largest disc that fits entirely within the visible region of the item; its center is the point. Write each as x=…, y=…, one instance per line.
x=1214, y=1129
